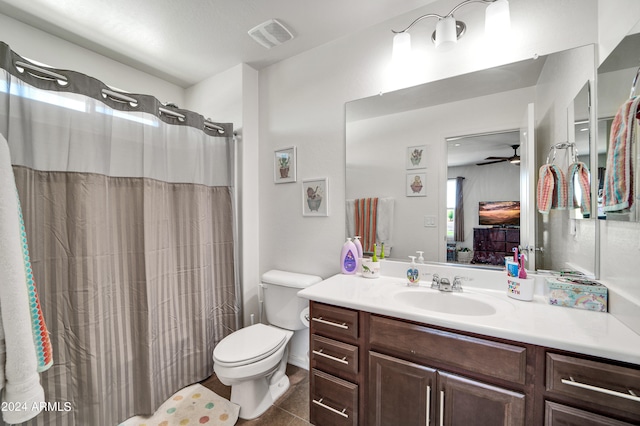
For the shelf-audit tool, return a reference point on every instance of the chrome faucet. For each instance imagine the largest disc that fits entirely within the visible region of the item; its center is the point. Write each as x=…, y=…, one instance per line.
x=445, y=285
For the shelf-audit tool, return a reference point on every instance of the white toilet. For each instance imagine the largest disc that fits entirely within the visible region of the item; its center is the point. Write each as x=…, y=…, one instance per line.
x=253, y=360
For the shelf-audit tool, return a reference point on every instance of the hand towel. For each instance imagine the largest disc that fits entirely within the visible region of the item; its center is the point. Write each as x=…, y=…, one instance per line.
x=366, y=220
x=618, y=176
x=384, y=232
x=552, y=189
x=579, y=171
x=18, y=360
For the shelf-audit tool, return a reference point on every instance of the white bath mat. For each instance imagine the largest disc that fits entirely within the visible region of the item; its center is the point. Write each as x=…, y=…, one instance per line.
x=193, y=405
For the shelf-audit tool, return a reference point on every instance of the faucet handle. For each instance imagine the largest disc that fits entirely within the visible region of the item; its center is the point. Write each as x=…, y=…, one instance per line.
x=435, y=282
x=457, y=282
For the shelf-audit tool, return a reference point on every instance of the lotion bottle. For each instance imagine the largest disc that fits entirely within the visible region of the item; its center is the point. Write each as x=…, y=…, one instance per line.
x=413, y=275
x=358, y=244
x=348, y=258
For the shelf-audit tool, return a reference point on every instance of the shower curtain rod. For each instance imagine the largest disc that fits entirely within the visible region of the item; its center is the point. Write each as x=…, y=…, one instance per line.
x=48, y=78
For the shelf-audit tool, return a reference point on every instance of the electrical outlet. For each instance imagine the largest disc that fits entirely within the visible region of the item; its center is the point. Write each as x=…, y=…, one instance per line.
x=430, y=221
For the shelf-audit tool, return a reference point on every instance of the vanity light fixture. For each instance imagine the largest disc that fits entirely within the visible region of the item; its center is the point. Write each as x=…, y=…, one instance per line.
x=449, y=30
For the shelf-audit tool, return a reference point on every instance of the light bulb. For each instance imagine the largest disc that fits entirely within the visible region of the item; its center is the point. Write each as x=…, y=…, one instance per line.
x=446, y=33
x=497, y=23
x=401, y=48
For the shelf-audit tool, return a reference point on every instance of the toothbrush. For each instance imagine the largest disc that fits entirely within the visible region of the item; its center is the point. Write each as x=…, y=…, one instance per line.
x=522, y=273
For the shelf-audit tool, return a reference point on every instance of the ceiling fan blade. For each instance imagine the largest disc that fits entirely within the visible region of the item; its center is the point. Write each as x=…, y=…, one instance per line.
x=492, y=162
x=497, y=158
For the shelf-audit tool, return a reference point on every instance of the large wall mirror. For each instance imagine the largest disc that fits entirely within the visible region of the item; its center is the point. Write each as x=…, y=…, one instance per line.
x=467, y=141
x=615, y=80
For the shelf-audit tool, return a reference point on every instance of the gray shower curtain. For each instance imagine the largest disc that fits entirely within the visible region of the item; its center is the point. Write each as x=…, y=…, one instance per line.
x=130, y=220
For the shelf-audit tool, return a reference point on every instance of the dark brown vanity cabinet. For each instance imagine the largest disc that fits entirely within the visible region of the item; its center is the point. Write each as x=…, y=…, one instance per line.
x=590, y=392
x=413, y=382
x=335, y=374
x=368, y=369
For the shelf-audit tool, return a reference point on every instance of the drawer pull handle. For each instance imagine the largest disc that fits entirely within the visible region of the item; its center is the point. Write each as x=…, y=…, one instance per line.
x=342, y=360
x=441, y=408
x=333, y=410
x=428, y=405
x=571, y=382
x=334, y=324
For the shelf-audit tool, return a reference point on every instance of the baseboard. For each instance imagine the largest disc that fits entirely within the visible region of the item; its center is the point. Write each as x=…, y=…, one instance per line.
x=299, y=361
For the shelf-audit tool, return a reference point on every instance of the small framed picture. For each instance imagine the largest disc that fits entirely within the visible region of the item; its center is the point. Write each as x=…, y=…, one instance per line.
x=416, y=157
x=315, y=197
x=284, y=165
x=416, y=185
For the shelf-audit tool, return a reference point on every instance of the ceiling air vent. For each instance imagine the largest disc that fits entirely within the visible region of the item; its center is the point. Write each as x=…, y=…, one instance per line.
x=270, y=33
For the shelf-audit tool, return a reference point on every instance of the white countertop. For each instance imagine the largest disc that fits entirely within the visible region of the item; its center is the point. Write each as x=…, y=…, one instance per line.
x=536, y=322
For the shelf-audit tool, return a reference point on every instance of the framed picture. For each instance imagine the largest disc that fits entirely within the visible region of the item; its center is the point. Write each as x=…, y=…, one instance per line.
x=284, y=165
x=416, y=157
x=416, y=184
x=315, y=197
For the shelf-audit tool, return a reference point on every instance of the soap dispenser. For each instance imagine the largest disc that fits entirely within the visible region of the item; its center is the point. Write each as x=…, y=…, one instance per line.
x=348, y=260
x=420, y=258
x=413, y=275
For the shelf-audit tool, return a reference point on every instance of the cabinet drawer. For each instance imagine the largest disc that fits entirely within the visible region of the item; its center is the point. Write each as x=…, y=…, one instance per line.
x=423, y=344
x=562, y=415
x=333, y=401
x=334, y=357
x=607, y=385
x=332, y=321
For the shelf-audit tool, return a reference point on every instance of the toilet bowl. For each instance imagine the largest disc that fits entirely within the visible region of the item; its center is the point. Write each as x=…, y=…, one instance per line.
x=253, y=360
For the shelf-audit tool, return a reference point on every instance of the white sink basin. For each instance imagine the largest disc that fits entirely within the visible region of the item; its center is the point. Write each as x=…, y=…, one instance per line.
x=469, y=304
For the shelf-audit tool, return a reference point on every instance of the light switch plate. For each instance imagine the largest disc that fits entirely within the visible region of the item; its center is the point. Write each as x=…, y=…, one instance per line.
x=430, y=221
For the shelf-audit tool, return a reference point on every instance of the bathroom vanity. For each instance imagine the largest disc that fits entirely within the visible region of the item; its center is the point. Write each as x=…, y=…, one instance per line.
x=377, y=359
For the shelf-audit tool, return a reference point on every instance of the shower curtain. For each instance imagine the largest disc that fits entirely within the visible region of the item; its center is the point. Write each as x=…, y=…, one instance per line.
x=129, y=210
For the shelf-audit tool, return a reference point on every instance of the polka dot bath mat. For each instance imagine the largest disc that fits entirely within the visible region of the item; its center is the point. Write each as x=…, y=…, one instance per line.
x=191, y=406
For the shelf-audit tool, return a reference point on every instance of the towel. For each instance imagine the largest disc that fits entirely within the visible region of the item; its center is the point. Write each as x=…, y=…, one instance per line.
x=384, y=232
x=19, y=378
x=579, y=171
x=366, y=221
x=372, y=220
x=552, y=189
x=618, y=177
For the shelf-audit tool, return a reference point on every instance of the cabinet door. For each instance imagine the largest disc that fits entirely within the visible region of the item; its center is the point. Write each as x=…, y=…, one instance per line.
x=464, y=402
x=400, y=392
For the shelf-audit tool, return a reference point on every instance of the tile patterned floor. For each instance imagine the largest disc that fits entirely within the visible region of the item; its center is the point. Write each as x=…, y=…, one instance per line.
x=292, y=409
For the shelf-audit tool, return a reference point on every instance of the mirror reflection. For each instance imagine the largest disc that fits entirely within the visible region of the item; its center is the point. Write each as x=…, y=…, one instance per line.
x=618, y=156
x=483, y=197
x=579, y=134
x=490, y=114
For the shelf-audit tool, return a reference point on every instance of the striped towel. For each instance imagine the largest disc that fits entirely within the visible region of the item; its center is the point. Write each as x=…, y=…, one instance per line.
x=41, y=339
x=618, y=176
x=366, y=220
x=552, y=189
x=581, y=172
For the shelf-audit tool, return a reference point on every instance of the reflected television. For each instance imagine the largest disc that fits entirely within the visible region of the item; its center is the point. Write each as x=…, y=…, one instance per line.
x=499, y=213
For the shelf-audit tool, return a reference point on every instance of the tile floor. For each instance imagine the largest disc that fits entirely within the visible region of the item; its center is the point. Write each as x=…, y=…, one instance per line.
x=292, y=409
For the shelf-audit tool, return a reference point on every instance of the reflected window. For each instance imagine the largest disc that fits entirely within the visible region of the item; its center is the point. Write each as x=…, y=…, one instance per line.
x=451, y=207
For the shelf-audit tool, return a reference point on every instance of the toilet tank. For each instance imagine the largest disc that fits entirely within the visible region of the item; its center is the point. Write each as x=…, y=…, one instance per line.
x=282, y=305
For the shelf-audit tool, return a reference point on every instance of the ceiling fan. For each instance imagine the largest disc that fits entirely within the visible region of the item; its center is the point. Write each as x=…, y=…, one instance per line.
x=514, y=159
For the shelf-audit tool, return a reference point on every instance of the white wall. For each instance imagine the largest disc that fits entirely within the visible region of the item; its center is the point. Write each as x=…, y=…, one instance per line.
x=37, y=45
x=302, y=103
x=232, y=97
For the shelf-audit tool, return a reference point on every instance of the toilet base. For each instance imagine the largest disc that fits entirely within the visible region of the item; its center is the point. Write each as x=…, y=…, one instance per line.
x=256, y=396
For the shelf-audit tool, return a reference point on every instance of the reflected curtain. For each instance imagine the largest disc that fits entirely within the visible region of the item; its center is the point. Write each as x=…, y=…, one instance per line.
x=458, y=225
x=130, y=218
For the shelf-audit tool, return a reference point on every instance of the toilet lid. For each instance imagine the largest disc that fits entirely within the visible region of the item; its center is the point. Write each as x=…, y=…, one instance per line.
x=249, y=344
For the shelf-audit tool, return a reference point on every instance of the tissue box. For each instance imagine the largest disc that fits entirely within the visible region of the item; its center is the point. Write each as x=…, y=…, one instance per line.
x=575, y=292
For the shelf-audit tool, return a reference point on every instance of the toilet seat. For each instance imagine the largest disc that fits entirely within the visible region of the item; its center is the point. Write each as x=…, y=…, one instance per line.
x=248, y=345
